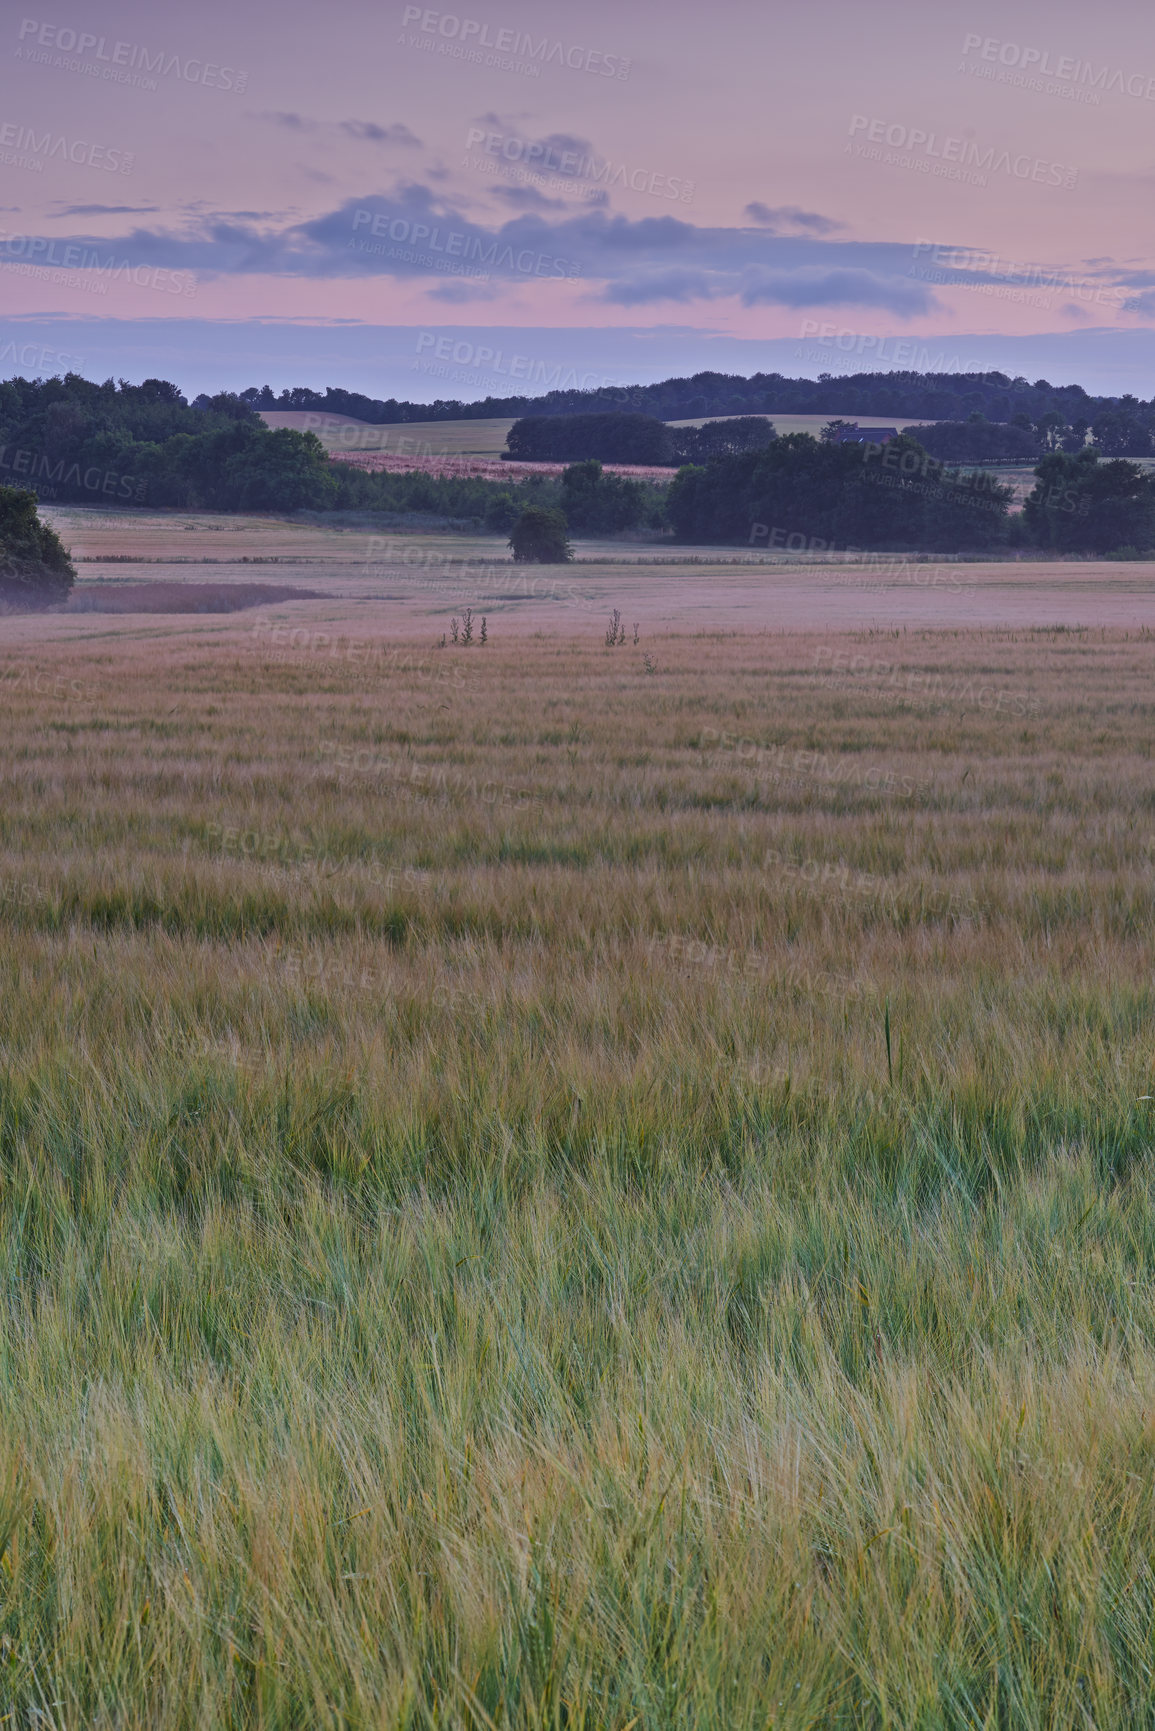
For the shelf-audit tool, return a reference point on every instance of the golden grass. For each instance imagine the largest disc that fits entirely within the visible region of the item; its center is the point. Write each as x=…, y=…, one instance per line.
x=473, y=1254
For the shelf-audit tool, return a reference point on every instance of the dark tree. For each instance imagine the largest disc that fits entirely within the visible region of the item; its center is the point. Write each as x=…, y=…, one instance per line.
x=540, y=537
x=1119, y=433
x=610, y=438
x=1082, y=505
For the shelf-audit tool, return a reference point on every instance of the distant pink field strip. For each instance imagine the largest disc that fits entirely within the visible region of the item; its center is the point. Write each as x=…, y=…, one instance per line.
x=488, y=468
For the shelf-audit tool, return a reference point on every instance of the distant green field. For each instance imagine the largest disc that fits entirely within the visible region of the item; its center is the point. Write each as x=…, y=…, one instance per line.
x=480, y=438
x=812, y=424
x=423, y=438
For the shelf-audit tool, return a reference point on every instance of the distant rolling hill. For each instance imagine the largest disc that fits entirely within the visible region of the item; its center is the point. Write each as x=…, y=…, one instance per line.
x=341, y=433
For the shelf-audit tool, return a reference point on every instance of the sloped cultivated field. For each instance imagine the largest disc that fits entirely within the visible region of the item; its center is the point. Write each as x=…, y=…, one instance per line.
x=423, y=439
x=542, y=1192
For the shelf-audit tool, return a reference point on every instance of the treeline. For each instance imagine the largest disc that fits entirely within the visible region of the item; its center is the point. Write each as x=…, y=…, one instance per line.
x=75, y=442
x=802, y=494
x=69, y=440
x=978, y=441
x=1120, y=426
x=627, y=438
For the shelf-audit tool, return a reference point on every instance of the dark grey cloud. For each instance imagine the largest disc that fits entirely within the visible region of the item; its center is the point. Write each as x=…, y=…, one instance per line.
x=370, y=133
x=106, y=210
x=527, y=198
x=789, y=217
x=457, y=293
x=364, y=131
x=663, y=285
x=835, y=288
x=558, y=143
x=787, y=288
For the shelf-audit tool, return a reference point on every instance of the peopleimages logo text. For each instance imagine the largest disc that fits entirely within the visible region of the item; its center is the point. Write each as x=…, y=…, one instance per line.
x=541, y=157
x=456, y=244
x=36, y=466
x=955, y=263
x=36, y=357
x=123, y=63
x=964, y=153
x=1068, y=70
x=46, y=145
x=473, y=34
x=909, y=354
x=34, y=249
x=497, y=364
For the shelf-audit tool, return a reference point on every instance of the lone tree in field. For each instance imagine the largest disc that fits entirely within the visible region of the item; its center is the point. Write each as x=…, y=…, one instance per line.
x=35, y=570
x=540, y=537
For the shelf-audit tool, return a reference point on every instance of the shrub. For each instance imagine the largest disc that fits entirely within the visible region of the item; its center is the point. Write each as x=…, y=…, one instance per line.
x=35, y=569
x=540, y=537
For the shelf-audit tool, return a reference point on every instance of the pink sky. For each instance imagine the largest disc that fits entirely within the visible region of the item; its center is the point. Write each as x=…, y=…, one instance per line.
x=815, y=157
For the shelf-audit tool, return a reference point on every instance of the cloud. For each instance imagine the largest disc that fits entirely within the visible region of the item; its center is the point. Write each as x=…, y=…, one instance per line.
x=668, y=285
x=833, y=288
x=417, y=233
x=559, y=143
x=294, y=122
x=106, y=210
x=789, y=216
x=797, y=288
x=527, y=198
x=364, y=131
x=370, y=133
x=458, y=292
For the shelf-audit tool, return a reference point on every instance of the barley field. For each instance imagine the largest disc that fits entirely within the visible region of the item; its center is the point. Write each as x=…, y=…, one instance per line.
x=548, y=1185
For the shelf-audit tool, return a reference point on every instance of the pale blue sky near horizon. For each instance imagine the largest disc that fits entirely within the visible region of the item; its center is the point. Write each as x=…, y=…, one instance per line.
x=402, y=362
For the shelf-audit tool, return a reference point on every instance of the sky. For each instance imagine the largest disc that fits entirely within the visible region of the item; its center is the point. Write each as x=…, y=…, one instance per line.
x=520, y=195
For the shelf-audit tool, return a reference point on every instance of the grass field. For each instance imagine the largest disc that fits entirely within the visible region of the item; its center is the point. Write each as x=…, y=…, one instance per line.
x=409, y=582
x=410, y=438
x=543, y=1185
x=812, y=424
x=483, y=438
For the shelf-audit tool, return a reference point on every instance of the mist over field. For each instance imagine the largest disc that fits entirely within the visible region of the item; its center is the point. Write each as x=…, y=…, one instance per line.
x=577, y=868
